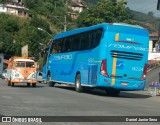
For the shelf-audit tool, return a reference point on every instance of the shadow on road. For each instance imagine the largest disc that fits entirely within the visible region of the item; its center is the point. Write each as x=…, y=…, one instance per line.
x=97, y=92
x=133, y=95
x=25, y=86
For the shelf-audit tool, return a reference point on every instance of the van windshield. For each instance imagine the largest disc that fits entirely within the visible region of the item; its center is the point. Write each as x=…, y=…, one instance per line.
x=30, y=64
x=24, y=64
x=19, y=64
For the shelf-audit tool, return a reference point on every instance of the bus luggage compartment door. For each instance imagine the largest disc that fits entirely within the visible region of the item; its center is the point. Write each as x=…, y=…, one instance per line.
x=92, y=74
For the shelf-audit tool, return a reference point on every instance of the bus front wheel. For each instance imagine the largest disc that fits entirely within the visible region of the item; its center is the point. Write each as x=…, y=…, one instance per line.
x=48, y=79
x=78, y=86
x=50, y=84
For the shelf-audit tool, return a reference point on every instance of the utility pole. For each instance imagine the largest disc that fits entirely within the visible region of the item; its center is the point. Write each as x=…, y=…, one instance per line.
x=158, y=5
x=65, y=24
x=158, y=8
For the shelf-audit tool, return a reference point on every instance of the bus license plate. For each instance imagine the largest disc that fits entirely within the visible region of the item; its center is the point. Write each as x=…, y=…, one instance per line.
x=124, y=83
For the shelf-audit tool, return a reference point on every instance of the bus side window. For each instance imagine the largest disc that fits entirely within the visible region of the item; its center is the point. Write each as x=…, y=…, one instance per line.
x=67, y=46
x=96, y=37
x=84, y=41
x=60, y=45
x=76, y=42
x=54, y=48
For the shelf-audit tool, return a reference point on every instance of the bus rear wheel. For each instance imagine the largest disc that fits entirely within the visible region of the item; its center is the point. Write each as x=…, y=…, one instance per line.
x=78, y=86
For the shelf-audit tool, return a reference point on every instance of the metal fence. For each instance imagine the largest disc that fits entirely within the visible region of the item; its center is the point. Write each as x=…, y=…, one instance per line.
x=152, y=64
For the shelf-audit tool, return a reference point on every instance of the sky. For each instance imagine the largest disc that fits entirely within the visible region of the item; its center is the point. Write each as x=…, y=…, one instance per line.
x=144, y=6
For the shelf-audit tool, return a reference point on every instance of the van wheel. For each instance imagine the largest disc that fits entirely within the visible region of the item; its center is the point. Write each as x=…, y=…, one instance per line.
x=28, y=84
x=78, y=86
x=112, y=92
x=33, y=84
x=9, y=84
x=12, y=84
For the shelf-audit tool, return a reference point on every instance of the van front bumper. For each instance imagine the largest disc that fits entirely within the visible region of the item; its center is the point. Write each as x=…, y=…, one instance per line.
x=24, y=81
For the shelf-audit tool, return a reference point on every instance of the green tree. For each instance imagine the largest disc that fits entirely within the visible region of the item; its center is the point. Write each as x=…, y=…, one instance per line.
x=16, y=32
x=3, y=1
x=105, y=11
x=150, y=13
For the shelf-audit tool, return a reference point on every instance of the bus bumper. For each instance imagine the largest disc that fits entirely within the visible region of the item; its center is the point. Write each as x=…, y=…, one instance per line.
x=121, y=84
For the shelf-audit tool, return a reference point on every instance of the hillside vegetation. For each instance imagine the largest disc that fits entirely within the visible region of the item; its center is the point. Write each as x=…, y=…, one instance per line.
x=147, y=20
x=16, y=32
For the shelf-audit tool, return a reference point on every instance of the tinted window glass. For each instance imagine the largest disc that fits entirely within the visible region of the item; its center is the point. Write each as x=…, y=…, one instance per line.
x=30, y=64
x=95, y=37
x=60, y=45
x=67, y=44
x=76, y=42
x=54, y=48
x=84, y=41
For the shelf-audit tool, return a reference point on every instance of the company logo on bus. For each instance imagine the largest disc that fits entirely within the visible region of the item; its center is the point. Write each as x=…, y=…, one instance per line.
x=120, y=65
x=127, y=47
x=63, y=57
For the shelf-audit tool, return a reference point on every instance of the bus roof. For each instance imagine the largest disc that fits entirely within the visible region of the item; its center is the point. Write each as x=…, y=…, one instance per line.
x=24, y=60
x=125, y=24
x=79, y=30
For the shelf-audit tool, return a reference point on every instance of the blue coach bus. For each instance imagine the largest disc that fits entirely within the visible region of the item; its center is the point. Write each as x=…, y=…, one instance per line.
x=109, y=56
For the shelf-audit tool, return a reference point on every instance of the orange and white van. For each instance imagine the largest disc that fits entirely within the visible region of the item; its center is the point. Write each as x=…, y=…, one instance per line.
x=21, y=70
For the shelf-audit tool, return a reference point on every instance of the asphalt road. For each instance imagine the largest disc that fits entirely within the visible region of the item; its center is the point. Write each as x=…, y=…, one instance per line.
x=64, y=101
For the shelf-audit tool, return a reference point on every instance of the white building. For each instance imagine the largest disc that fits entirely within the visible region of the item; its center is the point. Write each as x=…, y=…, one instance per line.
x=77, y=5
x=14, y=10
